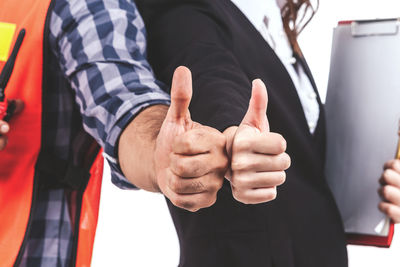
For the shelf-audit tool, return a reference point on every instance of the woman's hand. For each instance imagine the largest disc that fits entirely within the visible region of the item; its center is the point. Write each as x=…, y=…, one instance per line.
x=258, y=158
x=390, y=190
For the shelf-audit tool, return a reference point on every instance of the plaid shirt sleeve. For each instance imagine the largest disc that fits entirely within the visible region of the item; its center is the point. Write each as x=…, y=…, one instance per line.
x=101, y=46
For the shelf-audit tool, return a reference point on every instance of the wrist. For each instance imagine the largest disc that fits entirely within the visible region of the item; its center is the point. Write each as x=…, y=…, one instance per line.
x=137, y=147
x=230, y=135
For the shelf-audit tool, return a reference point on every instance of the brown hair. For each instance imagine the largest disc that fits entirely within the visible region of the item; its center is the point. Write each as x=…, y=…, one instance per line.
x=296, y=14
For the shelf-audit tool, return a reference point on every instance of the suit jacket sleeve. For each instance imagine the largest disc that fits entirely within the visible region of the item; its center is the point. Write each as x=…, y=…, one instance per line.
x=190, y=33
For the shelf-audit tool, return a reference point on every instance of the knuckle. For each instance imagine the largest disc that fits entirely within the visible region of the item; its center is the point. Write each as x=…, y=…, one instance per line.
x=239, y=182
x=187, y=141
x=184, y=204
x=285, y=161
x=175, y=184
x=207, y=201
x=232, y=181
x=198, y=133
x=221, y=162
x=386, y=175
x=386, y=192
x=181, y=167
x=244, y=196
x=241, y=144
x=216, y=184
x=238, y=196
x=221, y=140
x=281, y=177
x=281, y=143
x=211, y=199
x=239, y=163
x=174, y=200
x=236, y=165
x=391, y=163
x=182, y=141
x=193, y=209
x=390, y=211
x=396, y=164
x=224, y=163
x=271, y=194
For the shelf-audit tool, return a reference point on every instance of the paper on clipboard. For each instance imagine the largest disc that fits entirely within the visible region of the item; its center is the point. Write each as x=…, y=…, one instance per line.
x=362, y=113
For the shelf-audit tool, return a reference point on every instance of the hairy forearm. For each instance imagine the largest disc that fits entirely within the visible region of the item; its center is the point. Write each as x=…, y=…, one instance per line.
x=136, y=147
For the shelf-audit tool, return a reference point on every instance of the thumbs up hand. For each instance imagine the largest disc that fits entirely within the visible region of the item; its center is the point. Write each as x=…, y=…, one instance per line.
x=190, y=159
x=258, y=158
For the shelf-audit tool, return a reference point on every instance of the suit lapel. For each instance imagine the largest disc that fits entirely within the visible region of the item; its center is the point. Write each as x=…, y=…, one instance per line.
x=307, y=70
x=270, y=67
x=284, y=102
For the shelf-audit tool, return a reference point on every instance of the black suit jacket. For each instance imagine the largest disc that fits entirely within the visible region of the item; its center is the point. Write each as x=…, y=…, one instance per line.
x=302, y=227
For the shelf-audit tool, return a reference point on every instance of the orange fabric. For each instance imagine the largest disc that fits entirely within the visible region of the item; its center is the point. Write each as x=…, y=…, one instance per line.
x=89, y=214
x=18, y=160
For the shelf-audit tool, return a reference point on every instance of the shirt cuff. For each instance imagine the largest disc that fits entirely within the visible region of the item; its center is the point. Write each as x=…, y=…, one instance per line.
x=111, y=148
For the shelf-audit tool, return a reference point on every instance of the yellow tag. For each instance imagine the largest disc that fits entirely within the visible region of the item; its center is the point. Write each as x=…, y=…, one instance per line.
x=7, y=31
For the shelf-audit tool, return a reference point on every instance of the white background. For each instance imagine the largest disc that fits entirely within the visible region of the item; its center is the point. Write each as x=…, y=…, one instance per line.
x=135, y=228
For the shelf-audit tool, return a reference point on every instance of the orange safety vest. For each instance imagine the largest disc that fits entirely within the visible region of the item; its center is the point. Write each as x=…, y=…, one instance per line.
x=18, y=162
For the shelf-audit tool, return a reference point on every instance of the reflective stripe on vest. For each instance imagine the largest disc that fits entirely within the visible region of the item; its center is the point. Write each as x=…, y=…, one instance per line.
x=17, y=161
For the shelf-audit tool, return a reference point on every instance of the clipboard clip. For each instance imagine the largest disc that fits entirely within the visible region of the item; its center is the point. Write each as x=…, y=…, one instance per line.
x=378, y=27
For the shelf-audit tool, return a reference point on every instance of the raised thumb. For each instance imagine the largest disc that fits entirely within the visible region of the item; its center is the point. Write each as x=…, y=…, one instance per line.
x=256, y=115
x=181, y=94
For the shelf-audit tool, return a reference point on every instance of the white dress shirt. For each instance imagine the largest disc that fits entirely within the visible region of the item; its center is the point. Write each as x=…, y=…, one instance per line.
x=266, y=17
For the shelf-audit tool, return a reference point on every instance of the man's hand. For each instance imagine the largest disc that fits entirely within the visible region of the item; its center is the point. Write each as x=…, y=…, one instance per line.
x=390, y=190
x=258, y=158
x=190, y=159
x=5, y=127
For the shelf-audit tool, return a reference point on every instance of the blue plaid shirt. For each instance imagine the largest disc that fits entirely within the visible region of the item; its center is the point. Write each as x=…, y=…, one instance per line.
x=100, y=80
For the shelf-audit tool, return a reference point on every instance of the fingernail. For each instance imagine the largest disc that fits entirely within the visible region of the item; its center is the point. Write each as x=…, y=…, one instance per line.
x=4, y=128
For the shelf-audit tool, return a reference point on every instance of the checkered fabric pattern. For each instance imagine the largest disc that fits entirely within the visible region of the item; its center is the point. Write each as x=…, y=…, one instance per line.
x=99, y=79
